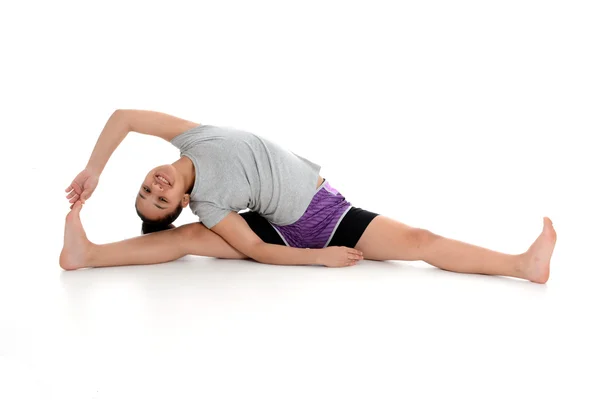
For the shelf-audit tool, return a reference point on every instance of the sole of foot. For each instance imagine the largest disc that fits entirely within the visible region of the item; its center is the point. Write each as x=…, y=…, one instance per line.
x=76, y=244
x=537, y=257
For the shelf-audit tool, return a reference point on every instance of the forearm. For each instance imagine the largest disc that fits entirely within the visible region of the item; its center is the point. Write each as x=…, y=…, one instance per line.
x=115, y=130
x=268, y=253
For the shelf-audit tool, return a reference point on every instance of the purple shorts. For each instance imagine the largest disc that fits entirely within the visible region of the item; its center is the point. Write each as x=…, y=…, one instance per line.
x=316, y=226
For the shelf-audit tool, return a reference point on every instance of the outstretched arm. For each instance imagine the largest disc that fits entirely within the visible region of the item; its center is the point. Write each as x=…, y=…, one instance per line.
x=234, y=229
x=121, y=122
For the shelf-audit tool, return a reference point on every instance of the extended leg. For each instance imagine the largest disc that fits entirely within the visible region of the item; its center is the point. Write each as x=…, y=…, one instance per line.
x=154, y=248
x=387, y=239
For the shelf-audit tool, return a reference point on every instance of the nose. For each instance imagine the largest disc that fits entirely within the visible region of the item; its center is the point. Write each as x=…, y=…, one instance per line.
x=157, y=185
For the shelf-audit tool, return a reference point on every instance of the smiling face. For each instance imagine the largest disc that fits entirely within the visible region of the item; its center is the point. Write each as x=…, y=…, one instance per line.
x=161, y=192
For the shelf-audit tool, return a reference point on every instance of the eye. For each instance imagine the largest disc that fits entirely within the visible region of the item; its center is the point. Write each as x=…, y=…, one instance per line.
x=163, y=199
x=146, y=189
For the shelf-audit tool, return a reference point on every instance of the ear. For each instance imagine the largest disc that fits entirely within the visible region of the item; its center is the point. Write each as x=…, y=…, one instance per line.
x=185, y=201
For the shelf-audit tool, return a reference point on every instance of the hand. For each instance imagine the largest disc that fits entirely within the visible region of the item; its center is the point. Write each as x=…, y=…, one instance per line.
x=82, y=186
x=339, y=256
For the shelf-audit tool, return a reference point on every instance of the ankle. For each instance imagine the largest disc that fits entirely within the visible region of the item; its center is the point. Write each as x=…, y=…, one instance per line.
x=91, y=255
x=521, y=265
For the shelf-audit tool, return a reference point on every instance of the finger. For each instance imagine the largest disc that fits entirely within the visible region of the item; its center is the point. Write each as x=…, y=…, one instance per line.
x=69, y=188
x=353, y=251
x=77, y=206
x=77, y=187
x=74, y=199
x=71, y=194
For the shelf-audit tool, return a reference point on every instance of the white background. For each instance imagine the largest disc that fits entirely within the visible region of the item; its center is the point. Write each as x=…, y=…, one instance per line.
x=472, y=119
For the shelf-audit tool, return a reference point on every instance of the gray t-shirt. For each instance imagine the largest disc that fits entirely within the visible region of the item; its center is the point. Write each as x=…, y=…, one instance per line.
x=237, y=170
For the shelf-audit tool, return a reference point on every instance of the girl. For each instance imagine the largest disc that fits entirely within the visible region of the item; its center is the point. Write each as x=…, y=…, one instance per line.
x=294, y=217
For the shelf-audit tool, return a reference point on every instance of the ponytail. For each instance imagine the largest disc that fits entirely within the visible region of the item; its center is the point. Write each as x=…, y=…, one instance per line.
x=150, y=226
x=153, y=227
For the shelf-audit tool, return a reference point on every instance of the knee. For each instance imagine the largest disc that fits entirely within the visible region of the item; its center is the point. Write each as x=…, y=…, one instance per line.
x=190, y=233
x=421, y=239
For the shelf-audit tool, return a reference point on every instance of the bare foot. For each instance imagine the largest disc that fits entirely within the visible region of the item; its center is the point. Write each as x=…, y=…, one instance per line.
x=76, y=246
x=536, y=265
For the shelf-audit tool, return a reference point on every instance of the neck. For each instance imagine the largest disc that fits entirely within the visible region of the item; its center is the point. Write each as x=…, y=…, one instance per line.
x=185, y=168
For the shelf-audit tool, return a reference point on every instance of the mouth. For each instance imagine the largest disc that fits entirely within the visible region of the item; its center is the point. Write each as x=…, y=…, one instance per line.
x=162, y=179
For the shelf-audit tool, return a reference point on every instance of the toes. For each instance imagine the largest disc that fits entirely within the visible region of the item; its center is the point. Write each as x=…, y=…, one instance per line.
x=548, y=226
x=547, y=221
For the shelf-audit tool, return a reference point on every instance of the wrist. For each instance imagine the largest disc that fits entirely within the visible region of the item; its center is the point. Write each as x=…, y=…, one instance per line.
x=317, y=256
x=93, y=168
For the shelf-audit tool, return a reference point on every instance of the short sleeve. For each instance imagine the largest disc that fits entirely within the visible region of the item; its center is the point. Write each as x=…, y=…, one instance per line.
x=209, y=214
x=187, y=139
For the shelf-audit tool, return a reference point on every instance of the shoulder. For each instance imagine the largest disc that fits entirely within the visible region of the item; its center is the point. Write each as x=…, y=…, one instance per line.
x=216, y=136
x=186, y=138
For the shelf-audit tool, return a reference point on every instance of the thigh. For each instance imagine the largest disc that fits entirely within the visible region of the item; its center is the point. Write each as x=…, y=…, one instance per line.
x=198, y=240
x=201, y=241
x=387, y=239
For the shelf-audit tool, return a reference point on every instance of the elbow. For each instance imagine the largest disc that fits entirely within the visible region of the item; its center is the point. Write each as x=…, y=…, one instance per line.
x=118, y=113
x=121, y=116
x=258, y=257
x=257, y=253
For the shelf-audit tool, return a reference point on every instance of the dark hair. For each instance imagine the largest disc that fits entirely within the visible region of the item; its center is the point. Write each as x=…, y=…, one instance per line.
x=157, y=225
